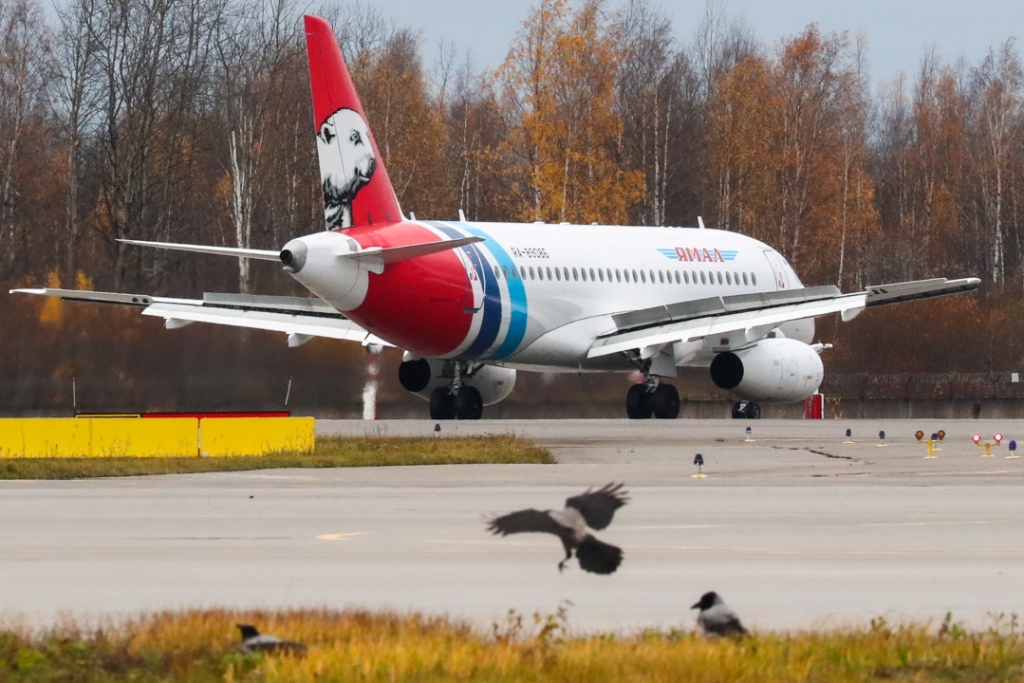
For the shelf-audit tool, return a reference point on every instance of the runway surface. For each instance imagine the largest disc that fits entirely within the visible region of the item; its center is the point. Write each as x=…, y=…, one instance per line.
x=796, y=529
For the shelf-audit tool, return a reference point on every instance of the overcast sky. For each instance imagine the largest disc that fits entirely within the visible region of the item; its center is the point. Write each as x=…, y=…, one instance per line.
x=899, y=32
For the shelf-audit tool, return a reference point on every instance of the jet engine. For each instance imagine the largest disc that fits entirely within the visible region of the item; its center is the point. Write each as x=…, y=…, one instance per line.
x=423, y=375
x=777, y=370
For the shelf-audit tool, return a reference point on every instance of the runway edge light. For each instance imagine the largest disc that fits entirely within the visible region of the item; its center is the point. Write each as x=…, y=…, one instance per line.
x=698, y=460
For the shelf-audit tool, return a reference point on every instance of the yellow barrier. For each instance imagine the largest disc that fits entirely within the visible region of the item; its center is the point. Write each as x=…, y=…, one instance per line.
x=97, y=438
x=255, y=435
x=147, y=438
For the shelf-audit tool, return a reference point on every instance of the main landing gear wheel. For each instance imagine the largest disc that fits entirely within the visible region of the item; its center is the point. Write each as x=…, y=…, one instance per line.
x=746, y=409
x=469, y=405
x=665, y=402
x=464, y=404
x=442, y=404
x=639, y=402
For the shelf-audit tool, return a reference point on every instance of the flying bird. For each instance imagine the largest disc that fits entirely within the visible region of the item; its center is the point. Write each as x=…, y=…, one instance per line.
x=593, y=509
x=254, y=641
x=715, y=618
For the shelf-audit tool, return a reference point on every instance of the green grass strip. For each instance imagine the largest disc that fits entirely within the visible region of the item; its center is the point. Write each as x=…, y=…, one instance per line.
x=329, y=452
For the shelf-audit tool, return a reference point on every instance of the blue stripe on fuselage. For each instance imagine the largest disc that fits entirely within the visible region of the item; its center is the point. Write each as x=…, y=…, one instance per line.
x=490, y=323
x=516, y=294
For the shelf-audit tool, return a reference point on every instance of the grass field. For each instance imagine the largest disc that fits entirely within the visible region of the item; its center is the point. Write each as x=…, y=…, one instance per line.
x=330, y=452
x=362, y=646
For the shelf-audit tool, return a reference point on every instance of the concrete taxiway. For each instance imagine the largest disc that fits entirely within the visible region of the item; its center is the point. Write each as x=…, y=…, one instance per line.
x=796, y=529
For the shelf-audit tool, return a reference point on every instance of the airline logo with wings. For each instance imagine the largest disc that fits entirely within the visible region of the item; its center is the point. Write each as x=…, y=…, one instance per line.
x=699, y=254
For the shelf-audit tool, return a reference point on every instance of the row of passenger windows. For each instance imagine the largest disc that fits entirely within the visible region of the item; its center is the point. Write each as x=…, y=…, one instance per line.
x=623, y=275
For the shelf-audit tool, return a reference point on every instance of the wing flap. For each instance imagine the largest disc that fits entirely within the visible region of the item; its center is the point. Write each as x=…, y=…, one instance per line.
x=761, y=312
x=288, y=323
x=298, y=317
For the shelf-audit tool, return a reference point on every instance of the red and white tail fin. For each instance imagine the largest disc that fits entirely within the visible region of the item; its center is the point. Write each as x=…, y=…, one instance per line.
x=357, y=190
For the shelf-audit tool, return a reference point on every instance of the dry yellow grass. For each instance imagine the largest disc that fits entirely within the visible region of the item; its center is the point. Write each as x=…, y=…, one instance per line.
x=364, y=646
x=329, y=452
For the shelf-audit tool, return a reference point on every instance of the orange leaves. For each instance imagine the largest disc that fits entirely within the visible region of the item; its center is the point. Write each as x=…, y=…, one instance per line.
x=52, y=308
x=788, y=154
x=558, y=86
x=407, y=127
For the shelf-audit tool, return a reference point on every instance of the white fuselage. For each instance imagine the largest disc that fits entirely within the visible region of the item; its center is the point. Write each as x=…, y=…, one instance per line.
x=536, y=296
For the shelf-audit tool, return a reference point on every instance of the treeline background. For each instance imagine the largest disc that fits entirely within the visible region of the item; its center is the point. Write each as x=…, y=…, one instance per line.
x=190, y=121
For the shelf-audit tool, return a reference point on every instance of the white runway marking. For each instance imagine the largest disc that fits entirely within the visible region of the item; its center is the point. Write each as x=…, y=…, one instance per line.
x=344, y=536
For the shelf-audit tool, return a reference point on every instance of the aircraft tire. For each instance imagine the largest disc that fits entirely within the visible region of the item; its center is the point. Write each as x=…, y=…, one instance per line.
x=665, y=402
x=442, y=404
x=639, y=402
x=468, y=404
x=753, y=411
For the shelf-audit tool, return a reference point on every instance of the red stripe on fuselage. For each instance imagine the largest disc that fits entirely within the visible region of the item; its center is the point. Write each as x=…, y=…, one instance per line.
x=419, y=304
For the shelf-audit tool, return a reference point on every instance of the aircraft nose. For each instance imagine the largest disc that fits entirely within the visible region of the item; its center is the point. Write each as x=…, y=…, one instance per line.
x=293, y=256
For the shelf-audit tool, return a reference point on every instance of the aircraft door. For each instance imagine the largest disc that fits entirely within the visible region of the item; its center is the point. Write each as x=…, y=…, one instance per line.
x=475, y=290
x=779, y=269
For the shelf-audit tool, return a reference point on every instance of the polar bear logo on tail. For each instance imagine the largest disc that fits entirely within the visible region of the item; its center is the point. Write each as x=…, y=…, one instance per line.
x=347, y=163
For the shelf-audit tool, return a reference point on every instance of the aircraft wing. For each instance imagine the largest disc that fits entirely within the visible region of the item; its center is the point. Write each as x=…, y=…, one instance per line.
x=298, y=317
x=735, y=321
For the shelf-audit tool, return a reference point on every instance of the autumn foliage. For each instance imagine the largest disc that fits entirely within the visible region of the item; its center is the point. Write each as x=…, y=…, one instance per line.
x=190, y=121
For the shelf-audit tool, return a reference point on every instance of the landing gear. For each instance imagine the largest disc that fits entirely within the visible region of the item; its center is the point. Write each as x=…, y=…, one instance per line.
x=639, y=402
x=442, y=404
x=666, y=402
x=458, y=401
x=469, y=405
x=746, y=409
x=661, y=400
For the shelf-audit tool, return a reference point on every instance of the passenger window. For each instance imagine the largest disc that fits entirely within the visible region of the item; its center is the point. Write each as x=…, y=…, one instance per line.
x=728, y=278
x=678, y=279
x=592, y=278
x=643, y=277
x=745, y=281
x=558, y=274
x=540, y=272
x=661, y=276
x=753, y=279
x=635, y=278
x=686, y=277
x=652, y=276
x=574, y=274
x=549, y=274
x=522, y=272
x=600, y=274
x=703, y=278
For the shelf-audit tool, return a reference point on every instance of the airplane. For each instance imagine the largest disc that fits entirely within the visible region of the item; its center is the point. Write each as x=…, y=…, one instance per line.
x=471, y=303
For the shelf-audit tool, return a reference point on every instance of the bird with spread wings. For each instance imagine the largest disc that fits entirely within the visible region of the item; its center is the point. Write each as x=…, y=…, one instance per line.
x=593, y=509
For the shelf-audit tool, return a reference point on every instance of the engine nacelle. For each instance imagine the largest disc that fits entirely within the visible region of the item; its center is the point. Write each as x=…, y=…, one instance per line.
x=777, y=370
x=423, y=375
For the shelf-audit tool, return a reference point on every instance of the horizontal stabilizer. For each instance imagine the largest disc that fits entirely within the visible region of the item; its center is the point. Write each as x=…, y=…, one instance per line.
x=237, y=252
x=376, y=258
